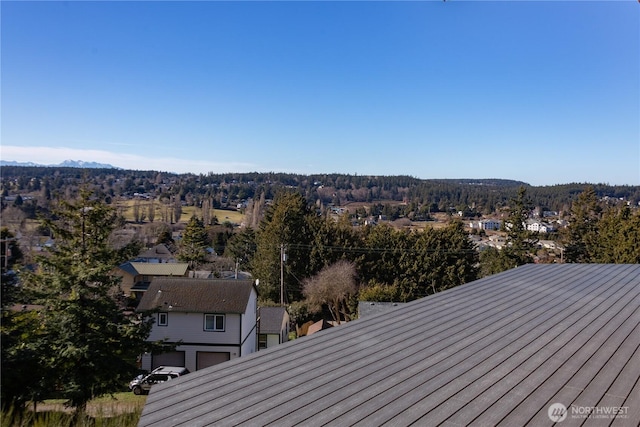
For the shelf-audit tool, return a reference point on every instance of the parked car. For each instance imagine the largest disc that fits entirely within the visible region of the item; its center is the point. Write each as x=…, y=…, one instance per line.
x=142, y=383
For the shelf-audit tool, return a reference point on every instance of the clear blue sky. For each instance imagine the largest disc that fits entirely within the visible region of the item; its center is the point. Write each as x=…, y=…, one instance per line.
x=543, y=92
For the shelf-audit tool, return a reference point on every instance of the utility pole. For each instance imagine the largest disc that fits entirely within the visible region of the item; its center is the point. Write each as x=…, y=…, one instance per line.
x=283, y=257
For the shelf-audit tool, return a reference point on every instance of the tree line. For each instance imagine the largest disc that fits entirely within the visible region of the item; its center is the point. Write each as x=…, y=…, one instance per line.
x=481, y=196
x=295, y=242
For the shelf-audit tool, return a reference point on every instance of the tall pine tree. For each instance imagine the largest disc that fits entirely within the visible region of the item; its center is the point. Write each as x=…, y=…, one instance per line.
x=284, y=231
x=193, y=247
x=581, y=236
x=91, y=344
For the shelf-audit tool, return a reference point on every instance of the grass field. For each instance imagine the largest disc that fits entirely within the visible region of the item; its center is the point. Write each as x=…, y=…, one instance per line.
x=223, y=215
x=120, y=410
x=106, y=405
x=234, y=217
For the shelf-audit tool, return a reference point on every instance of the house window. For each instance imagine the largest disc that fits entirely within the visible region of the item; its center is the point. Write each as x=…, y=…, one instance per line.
x=163, y=319
x=214, y=322
x=262, y=341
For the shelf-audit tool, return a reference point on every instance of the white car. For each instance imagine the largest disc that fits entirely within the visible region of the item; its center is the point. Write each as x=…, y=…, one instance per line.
x=142, y=383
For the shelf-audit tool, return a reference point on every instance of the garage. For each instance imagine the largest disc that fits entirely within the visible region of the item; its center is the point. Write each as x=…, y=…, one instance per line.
x=174, y=358
x=205, y=359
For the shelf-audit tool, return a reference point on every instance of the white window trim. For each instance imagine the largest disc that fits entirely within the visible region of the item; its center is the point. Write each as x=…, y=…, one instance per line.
x=166, y=319
x=224, y=320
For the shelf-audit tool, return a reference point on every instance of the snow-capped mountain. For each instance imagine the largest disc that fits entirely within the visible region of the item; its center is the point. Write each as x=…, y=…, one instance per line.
x=65, y=164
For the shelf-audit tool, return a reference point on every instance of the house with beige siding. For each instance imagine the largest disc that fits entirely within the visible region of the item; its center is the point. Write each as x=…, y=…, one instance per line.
x=136, y=276
x=212, y=320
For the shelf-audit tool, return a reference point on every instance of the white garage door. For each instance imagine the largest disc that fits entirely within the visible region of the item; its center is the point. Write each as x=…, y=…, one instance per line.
x=205, y=359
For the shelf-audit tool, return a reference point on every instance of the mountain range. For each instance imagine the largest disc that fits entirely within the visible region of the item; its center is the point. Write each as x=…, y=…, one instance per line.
x=66, y=164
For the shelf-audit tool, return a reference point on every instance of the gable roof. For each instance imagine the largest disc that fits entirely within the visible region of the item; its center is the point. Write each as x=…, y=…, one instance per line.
x=197, y=295
x=155, y=268
x=496, y=351
x=271, y=319
x=159, y=251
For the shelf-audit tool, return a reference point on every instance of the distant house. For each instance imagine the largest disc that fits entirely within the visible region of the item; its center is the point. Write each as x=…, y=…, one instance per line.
x=215, y=320
x=136, y=276
x=528, y=346
x=550, y=244
x=157, y=254
x=486, y=224
x=371, y=220
x=539, y=227
x=273, y=326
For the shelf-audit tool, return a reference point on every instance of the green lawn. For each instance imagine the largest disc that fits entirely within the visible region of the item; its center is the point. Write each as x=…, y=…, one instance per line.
x=231, y=216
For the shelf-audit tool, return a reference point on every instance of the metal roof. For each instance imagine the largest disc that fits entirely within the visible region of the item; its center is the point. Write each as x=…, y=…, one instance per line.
x=371, y=308
x=160, y=269
x=497, y=351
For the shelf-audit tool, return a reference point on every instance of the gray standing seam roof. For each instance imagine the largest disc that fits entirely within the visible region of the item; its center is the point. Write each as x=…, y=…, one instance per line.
x=497, y=351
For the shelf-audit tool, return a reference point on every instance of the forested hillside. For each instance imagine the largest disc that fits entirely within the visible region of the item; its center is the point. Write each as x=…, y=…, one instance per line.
x=475, y=196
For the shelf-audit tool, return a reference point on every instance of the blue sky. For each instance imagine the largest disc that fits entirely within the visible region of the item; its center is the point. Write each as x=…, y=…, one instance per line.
x=542, y=92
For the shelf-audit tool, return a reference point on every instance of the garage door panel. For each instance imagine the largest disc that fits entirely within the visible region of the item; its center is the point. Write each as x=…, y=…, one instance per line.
x=174, y=358
x=204, y=359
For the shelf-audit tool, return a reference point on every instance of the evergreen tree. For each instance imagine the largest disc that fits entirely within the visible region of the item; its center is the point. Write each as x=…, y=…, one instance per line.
x=241, y=248
x=284, y=232
x=493, y=261
x=379, y=292
x=165, y=238
x=415, y=264
x=384, y=256
x=619, y=237
x=581, y=236
x=455, y=260
x=332, y=241
x=193, y=247
x=22, y=375
x=521, y=244
x=83, y=340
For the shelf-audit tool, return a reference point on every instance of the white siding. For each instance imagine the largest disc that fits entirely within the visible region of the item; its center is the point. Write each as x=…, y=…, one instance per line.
x=239, y=337
x=249, y=318
x=273, y=340
x=189, y=327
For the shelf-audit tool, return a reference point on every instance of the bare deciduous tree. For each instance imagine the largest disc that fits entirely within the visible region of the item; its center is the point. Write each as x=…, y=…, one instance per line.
x=151, y=211
x=332, y=286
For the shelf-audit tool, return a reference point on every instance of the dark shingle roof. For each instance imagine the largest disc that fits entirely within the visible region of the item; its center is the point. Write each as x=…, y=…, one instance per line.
x=271, y=319
x=197, y=295
x=497, y=351
x=158, y=251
